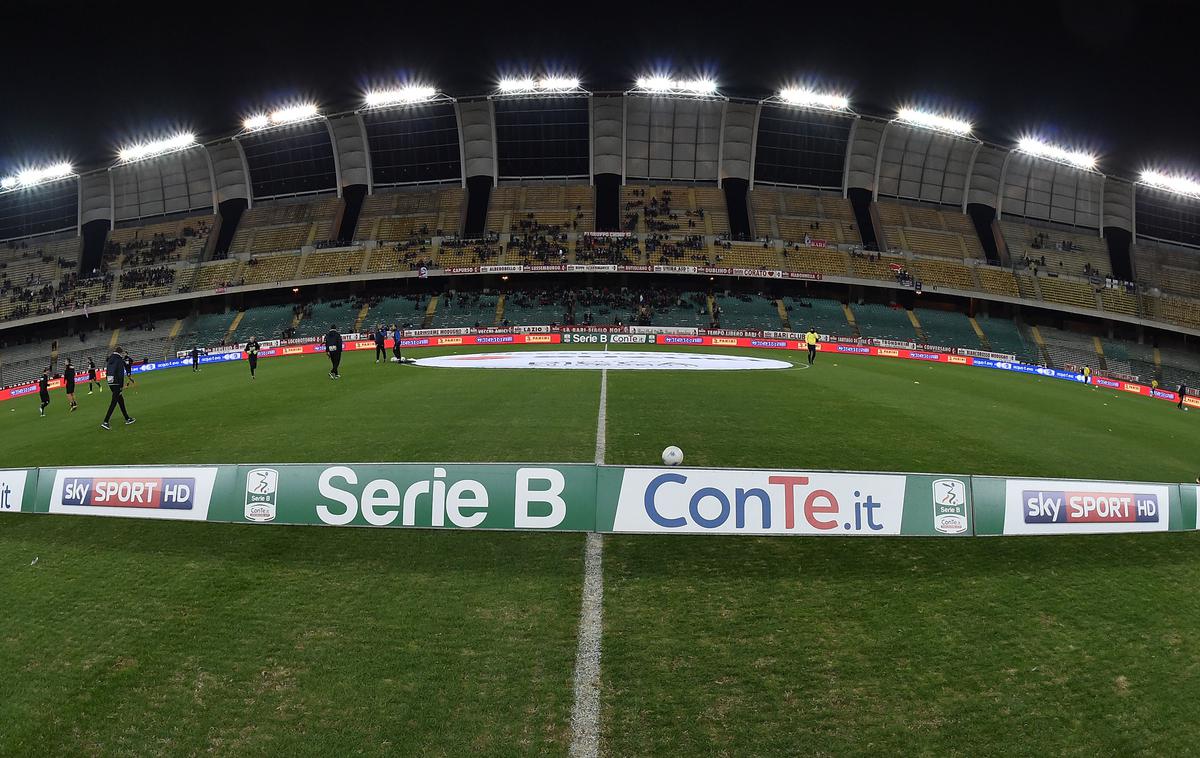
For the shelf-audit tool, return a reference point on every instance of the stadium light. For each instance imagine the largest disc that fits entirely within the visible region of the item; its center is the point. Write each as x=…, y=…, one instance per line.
x=157, y=147
x=1181, y=185
x=665, y=85
x=546, y=85
x=407, y=95
x=35, y=176
x=1077, y=158
x=292, y=114
x=934, y=121
x=807, y=98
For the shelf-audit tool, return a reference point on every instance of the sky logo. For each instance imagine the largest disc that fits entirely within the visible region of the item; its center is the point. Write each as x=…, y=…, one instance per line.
x=1066, y=507
x=129, y=492
x=853, y=349
x=668, y=340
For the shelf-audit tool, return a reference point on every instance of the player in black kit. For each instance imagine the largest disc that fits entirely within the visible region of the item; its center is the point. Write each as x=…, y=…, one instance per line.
x=252, y=355
x=44, y=392
x=333, y=348
x=69, y=380
x=92, y=376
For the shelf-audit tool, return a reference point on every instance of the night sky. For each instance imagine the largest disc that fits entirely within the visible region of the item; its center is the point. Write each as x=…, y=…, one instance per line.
x=1116, y=77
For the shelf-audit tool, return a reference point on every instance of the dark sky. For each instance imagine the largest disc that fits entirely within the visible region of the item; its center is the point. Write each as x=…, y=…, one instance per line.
x=1119, y=77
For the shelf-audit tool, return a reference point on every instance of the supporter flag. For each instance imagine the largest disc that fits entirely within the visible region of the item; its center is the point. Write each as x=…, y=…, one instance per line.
x=423, y=272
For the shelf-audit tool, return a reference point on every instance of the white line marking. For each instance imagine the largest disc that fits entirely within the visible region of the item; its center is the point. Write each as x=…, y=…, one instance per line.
x=585, y=714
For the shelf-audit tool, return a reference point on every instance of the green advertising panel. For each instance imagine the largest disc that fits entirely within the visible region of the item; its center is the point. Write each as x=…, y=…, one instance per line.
x=1073, y=506
x=1189, y=494
x=451, y=496
x=18, y=487
x=756, y=501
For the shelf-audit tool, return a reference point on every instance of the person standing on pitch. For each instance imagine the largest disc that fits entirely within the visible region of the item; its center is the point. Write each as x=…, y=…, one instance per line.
x=129, y=369
x=44, y=392
x=69, y=380
x=811, y=338
x=1182, y=395
x=252, y=354
x=380, y=343
x=396, y=343
x=333, y=348
x=195, y=358
x=116, y=382
x=92, y=376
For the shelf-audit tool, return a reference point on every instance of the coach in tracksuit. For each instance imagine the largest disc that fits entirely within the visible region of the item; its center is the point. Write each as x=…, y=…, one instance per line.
x=116, y=382
x=333, y=348
x=396, y=343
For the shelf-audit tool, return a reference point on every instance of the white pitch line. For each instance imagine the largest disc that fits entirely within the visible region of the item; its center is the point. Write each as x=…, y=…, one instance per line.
x=585, y=714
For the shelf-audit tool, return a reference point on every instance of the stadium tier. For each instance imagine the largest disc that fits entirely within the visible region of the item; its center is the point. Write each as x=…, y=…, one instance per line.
x=394, y=216
x=929, y=231
x=517, y=209
x=156, y=242
x=1055, y=250
x=286, y=225
x=459, y=309
x=794, y=215
x=884, y=321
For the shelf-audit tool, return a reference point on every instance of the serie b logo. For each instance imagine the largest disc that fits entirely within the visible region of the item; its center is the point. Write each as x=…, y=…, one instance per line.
x=949, y=506
x=262, y=486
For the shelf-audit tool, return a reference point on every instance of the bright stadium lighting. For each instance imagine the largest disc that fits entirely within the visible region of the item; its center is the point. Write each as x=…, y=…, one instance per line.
x=557, y=84
x=1077, y=158
x=806, y=98
x=260, y=121
x=518, y=85
x=406, y=95
x=668, y=86
x=294, y=113
x=35, y=176
x=1181, y=185
x=934, y=121
x=157, y=147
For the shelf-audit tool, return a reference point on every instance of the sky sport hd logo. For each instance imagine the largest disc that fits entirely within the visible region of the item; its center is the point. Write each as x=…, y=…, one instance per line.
x=950, y=506
x=262, y=486
x=1062, y=507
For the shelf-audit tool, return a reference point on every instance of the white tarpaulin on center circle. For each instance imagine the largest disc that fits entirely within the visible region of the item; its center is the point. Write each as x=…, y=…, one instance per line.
x=598, y=359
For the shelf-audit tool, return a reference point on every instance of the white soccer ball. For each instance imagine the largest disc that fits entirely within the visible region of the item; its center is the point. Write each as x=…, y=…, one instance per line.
x=672, y=456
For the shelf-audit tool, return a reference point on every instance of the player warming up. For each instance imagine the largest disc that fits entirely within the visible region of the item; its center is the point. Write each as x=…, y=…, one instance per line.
x=116, y=383
x=69, y=382
x=252, y=355
x=92, y=377
x=380, y=344
x=333, y=348
x=811, y=338
x=44, y=392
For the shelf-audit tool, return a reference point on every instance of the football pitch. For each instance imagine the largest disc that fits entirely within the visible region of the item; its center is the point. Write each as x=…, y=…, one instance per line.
x=143, y=637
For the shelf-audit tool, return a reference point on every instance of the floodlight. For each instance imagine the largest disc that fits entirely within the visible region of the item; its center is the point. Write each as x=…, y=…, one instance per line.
x=1036, y=147
x=560, y=83
x=668, y=85
x=294, y=113
x=517, y=85
x=260, y=121
x=1182, y=185
x=157, y=147
x=34, y=176
x=934, y=121
x=411, y=93
x=806, y=98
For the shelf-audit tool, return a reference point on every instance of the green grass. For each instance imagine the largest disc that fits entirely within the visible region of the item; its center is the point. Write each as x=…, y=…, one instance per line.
x=136, y=637
x=1006, y=646
x=145, y=638
x=848, y=413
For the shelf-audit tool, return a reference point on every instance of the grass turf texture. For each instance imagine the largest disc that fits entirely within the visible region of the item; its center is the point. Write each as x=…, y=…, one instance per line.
x=142, y=637
x=1008, y=646
x=849, y=413
x=149, y=638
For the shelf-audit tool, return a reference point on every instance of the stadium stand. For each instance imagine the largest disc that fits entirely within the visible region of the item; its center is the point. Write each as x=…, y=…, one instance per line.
x=746, y=312
x=883, y=321
x=270, y=268
x=459, y=309
x=286, y=225
x=686, y=210
x=934, y=273
x=947, y=328
x=1003, y=336
x=533, y=308
x=181, y=239
x=564, y=208
x=1055, y=250
x=394, y=216
x=793, y=215
x=929, y=231
x=1067, y=292
x=997, y=280
x=1069, y=348
x=1173, y=270
x=821, y=260
x=339, y=262
x=826, y=316
x=264, y=322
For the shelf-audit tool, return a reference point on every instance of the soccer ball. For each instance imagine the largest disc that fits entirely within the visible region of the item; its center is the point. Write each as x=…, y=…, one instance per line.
x=672, y=456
